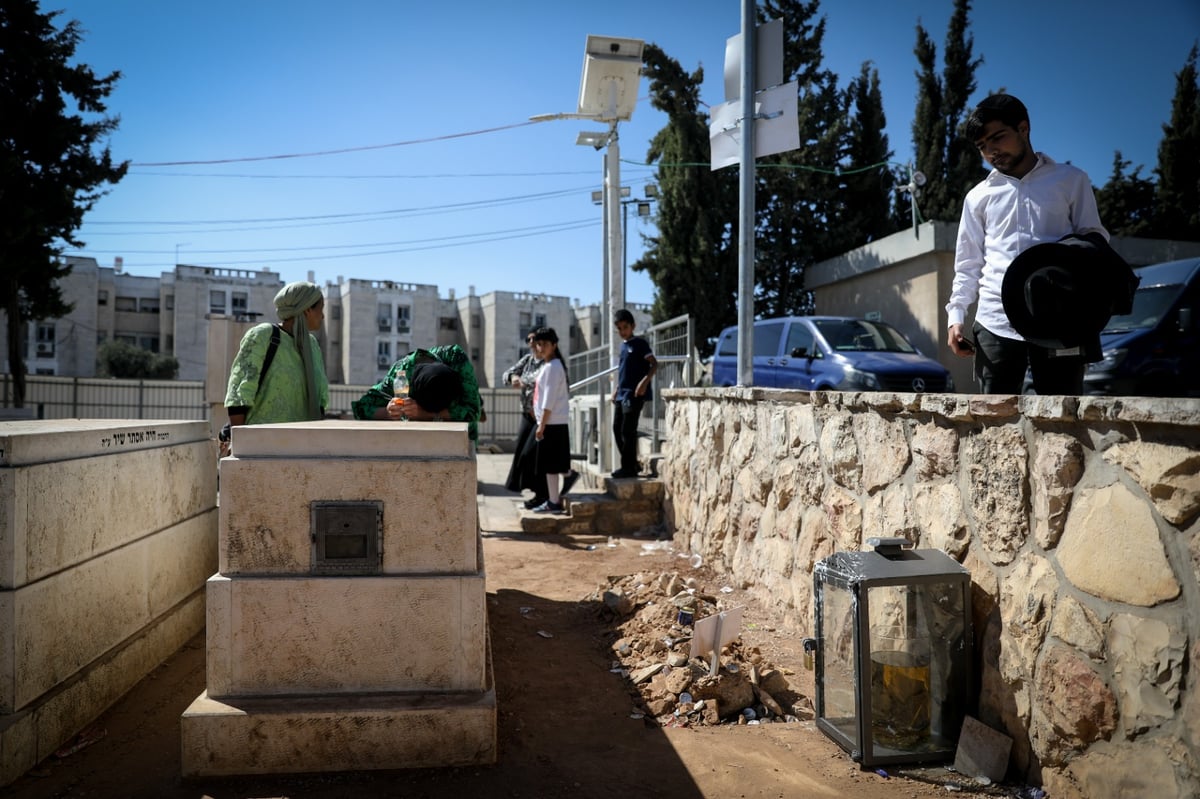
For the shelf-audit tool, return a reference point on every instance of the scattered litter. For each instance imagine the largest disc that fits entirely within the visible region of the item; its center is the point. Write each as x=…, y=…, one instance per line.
x=527, y=612
x=81, y=741
x=636, y=715
x=591, y=547
x=685, y=698
x=656, y=546
x=545, y=634
x=726, y=590
x=696, y=561
x=882, y=773
x=950, y=786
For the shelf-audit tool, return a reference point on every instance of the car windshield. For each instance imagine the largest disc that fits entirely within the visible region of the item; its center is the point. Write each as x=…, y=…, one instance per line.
x=859, y=335
x=1149, y=305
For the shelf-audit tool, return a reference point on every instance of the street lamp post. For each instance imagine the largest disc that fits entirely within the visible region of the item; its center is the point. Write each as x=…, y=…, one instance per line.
x=608, y=93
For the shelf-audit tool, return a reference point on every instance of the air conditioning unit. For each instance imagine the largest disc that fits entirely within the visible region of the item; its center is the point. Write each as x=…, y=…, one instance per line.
x=402, y=327
x=385, y=323
x=45, y=350
x=385, y=360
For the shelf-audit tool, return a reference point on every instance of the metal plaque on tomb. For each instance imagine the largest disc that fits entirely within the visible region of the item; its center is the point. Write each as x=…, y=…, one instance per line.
x=347, y=537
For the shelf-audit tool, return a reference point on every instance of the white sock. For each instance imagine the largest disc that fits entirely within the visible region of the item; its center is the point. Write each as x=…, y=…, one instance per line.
x=552, y=486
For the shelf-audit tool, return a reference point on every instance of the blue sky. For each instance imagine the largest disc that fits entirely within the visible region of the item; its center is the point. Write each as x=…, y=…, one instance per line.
x=511, y=209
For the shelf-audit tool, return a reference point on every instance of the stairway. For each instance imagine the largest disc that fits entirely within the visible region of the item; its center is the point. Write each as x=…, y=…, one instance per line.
x=602, y=505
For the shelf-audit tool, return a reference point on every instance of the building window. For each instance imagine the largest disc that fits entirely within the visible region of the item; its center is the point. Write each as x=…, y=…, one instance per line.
x=45, y=341
x=148, y=305
x=216, y=302
x=539, y=320
x=170, y=342
x=403, y=318
x=170, y=302
x=102, y=297
x=125, y=338
x=474, y=353
x=385, y=317
x=448, y=323
x=526, y=320
x=240, y=302
x=126, y=304
x=148, y=343
x=476, y=322
x=383, y=353
x=335, y=312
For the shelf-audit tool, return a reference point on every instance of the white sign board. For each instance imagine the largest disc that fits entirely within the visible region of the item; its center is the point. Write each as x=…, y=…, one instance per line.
x=768, y=59
x=714, y=632
x=776, y=129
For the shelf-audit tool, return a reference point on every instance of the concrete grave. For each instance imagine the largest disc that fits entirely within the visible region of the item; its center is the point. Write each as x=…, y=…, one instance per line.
x=108, y=530
x=347, y=626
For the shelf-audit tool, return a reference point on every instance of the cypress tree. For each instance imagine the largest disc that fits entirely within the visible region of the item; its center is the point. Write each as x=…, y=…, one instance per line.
x=1177, y=214
x=51, y=119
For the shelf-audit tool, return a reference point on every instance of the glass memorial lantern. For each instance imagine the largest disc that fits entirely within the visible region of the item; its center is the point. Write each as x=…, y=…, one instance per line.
x=893, y=652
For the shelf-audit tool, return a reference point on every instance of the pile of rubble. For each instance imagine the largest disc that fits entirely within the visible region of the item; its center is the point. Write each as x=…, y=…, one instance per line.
x=652, y=615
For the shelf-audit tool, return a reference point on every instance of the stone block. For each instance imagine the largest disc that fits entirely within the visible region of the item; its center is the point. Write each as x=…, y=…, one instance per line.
x=982, y=751
x=430, y=522
x=32, y=734
x=57, y=626
x=322, y=734
x=60, y=513
x=352, y=438
x=345, y=635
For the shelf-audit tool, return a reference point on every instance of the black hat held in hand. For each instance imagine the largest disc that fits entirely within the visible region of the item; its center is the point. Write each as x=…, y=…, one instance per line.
x=1061, y=294
x=435, y=386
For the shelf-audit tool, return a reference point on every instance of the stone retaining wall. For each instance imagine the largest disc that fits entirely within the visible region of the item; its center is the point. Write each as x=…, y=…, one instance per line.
x=1076, y=516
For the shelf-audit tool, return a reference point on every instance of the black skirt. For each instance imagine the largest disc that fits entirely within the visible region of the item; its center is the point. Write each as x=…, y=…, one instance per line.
x=552, y=455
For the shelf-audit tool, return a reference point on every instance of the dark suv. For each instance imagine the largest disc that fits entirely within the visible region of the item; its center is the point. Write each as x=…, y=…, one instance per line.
x=823, y=353
x=1155, y=350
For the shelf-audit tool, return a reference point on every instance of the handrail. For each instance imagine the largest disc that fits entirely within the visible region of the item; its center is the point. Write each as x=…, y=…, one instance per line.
x=659, y=358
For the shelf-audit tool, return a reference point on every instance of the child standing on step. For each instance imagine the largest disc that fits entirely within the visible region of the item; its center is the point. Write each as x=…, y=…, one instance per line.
x=551, y=409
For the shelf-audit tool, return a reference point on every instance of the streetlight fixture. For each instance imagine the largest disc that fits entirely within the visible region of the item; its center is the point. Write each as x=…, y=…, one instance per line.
x=643, y=209
x=608, y=93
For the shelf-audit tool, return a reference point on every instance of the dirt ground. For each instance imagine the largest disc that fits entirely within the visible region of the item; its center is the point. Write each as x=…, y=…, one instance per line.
x=567, y=724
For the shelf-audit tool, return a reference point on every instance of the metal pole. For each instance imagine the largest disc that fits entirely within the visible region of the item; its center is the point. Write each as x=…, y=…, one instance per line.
x=616, y=283
x=624, y=248
x=616, y=286
x=745, y=353
x=605, y=322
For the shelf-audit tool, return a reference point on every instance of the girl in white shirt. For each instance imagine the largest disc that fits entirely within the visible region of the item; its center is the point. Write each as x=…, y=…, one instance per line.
x=550, y=412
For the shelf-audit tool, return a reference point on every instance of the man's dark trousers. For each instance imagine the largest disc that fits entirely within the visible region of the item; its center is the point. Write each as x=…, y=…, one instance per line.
x=625, y=429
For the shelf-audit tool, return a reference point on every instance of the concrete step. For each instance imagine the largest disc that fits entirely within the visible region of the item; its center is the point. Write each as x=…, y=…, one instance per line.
x=603, y=506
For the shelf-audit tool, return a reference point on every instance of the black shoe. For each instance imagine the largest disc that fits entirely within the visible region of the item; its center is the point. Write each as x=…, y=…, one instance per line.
x=530, y=504
x=550, y=507
x=621, y=474
x=569, y=481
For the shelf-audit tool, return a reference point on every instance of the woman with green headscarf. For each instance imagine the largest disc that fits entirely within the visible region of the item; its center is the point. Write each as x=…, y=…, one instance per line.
x=293, y=387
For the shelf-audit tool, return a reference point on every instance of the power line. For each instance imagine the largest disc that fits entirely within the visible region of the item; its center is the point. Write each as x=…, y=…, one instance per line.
x=340, y=151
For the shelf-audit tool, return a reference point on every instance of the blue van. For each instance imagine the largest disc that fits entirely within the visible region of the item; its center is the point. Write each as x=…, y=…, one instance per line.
x=1155, y=350
x=830, y=353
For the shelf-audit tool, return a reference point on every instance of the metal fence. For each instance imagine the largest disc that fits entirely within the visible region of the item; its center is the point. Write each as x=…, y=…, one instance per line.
x=50, y=397
x=678, y=367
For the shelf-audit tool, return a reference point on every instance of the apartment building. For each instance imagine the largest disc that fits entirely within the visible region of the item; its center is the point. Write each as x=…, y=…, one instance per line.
x=368, y=323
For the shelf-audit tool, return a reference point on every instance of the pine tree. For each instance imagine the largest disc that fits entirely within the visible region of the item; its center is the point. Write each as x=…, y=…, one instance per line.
x=51, y=118
x=868, y=184
x=948, y=161
x=693, y=259
x=1126, y=202
x=799, y=192
x=1177, y=214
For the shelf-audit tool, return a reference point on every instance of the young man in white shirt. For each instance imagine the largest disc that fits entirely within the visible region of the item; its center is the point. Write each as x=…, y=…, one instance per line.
x=1026, y=199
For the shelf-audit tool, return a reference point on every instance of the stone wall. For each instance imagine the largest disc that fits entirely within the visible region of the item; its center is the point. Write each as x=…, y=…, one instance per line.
x=108, y=530
x=1077, y=518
